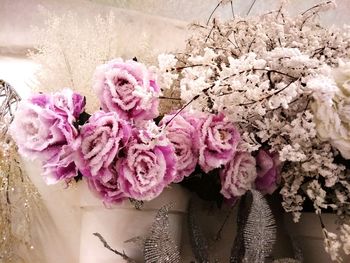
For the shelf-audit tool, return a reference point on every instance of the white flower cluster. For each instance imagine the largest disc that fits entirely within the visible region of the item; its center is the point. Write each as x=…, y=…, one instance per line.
x=281, y=79
x=166, y=76
x=333, y=242
x=345, y=238
x=332, y=245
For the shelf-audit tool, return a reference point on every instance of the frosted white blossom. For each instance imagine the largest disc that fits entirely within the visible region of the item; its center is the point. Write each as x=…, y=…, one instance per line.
x=332, y=245
x=317, y=194
x=146, y=97
x=345, y=238
x=285, y=82
x=292, y=153
x=166, y=61
x=166, y=80
x=205, y=59
x=152, y=134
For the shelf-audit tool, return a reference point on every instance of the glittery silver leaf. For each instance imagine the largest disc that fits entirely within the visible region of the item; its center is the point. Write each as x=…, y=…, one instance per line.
x=160, y=247
x=136, y=203
x=237, y=251
x=198, y=241
x=20, y=201
x=259, y=231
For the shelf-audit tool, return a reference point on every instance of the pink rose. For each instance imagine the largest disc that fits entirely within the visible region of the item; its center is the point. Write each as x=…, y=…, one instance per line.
x=148, y=167
x=101, y=139
x=68, y=103
x=127, y=88
x=218, y=139
x=40, y=129
x=269, y=167
x=44, y=128
x=62, y=165
x=183, y=135
x=106, y=187
x=238, y=176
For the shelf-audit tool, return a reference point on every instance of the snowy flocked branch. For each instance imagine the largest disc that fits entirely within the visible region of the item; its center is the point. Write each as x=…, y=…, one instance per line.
x=284, y=81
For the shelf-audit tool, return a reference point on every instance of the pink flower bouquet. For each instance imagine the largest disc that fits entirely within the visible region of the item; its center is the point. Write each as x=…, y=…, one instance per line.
x=123, y=151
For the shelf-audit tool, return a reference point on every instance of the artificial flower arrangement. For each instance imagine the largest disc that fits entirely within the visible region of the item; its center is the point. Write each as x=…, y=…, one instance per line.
x=265, y=104
x=121, y=150
x=284, y=82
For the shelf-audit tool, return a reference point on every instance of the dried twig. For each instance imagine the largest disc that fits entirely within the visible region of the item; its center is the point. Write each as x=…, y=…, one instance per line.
x=121, y=254
x=251, y=6
x=212, y=13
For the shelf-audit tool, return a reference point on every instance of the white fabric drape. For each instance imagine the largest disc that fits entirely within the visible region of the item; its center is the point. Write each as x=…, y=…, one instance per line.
x=56, y=230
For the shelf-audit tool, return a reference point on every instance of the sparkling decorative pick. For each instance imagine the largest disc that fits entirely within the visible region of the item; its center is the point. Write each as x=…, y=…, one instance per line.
x=18, y=196
x=259, y=231
x=160, y=247
x=136, y=203
x=198, y=241
x=238, y=250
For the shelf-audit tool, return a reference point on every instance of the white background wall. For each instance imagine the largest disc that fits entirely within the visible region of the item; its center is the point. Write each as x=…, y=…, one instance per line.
x=17, y=17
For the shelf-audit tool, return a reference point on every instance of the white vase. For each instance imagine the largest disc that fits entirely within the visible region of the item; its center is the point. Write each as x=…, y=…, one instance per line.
x=55, y=226
x=123, y=222
x=309, y=237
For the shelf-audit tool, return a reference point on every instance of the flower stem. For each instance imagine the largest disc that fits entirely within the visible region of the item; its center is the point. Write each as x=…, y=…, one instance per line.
x=218, y=234
x=212, y=13
x=123, y=255
x=251, y=6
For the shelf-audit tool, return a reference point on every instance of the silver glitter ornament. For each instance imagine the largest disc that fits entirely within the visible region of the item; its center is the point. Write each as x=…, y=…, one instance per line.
x=238, y=250
x=256, y=230
x=19, y=199
x=136, y=203
x=160, y=247
x=259, y=231
x=198, y=241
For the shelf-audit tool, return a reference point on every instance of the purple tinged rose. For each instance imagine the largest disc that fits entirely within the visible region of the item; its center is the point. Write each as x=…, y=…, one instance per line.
x=41, y=100
x=62, y=165
x=269, y=166
x=148, y=167
x=183, y=135
x=106, y=187
x=40, y=129
x=238, y=176
x=127, y=88
x=218, y=139
x=43, y=128
x=101, y=139
x=68, y=103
